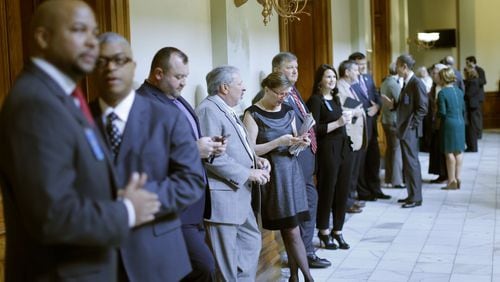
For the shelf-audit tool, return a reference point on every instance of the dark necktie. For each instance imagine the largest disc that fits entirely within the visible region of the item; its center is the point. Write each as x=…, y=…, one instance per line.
x=364, y=89
x=312, y=135
x=114, y=135
x=82, y=104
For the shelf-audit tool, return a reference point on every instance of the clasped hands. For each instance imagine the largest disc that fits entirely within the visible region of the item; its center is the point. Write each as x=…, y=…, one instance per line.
x=261, y=175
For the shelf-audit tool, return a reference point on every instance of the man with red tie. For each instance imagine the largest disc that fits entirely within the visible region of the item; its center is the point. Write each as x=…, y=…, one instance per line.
x=62, y=217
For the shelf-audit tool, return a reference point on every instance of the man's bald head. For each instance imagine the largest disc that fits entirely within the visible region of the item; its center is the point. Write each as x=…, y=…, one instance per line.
x=64, y=34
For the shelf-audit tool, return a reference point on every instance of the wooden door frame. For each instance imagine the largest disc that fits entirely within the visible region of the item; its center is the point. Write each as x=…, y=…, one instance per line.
x=15, y=16
x=323, y=53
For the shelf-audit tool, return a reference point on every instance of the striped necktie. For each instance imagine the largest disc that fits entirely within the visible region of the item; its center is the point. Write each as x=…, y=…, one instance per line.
x=300, y=106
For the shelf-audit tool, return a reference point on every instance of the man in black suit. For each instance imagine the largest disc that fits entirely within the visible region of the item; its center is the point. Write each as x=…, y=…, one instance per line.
x=62, y=218
x=287, y=64
x=477, y=119
x=167, y=78
x=411, y=108
x=142, y=137
x=368, y=182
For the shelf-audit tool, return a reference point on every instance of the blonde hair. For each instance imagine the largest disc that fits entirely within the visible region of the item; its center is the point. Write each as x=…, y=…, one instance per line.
x=447, y=75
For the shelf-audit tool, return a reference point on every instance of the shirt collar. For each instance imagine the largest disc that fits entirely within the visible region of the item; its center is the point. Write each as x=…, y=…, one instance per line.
x=64, y=81
x=122, y=110
x=226, y=107
x=410, y=75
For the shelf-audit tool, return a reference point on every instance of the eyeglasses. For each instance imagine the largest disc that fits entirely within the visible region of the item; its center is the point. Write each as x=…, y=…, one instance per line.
x=117, y=60
x=282, y=94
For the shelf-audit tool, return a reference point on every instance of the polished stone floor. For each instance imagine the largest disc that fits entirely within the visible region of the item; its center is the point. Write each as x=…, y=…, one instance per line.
x=453, y=236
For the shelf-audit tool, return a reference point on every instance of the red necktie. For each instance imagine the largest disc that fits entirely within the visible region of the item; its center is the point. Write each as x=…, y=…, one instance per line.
x=312, y=135
x=78, y=94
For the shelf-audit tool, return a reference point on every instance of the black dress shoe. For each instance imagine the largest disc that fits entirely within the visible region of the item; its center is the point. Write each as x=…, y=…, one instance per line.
x=315, y=262
x=367, y=198
x=340, y=240
x=399, y=186
x=440, y=179
x=411, y=204
x=383, y=196
x=326, y=241
x=403, y=200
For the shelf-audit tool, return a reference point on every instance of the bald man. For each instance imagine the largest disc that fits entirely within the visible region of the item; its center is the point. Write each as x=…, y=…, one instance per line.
x=63, y=220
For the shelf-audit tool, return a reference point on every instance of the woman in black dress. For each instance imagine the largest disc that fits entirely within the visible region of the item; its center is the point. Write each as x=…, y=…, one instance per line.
x=334, y=156
x=271, y=128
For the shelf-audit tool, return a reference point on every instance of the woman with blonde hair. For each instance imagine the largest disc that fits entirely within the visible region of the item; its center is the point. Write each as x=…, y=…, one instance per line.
x=451, y=109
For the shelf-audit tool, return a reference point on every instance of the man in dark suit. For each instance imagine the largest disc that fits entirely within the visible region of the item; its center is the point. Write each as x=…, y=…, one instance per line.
x=368, y=182
x=167, y=78
x=411, y=108
x=287, y=64
x=142, y=137
x=62, y=218
x=477, y=119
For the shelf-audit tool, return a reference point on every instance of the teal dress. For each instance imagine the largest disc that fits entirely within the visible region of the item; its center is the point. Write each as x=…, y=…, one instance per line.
x=451, y=109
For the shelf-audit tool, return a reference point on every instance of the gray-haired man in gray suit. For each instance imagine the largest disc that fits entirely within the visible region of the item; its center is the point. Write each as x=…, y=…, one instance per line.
x=411, y=108
x=232, y=227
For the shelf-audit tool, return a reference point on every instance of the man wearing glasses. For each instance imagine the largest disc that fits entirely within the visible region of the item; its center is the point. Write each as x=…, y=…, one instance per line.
x=141, y=137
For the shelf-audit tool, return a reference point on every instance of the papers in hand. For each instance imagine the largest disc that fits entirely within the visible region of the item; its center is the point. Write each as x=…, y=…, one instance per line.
x=306, y=126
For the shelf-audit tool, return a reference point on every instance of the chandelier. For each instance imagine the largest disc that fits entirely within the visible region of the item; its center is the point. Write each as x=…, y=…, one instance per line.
x=287, y=9
x=424, y=40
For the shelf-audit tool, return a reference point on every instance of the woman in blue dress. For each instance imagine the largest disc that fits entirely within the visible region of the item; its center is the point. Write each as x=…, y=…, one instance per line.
x=271, y=129
x=451, y=110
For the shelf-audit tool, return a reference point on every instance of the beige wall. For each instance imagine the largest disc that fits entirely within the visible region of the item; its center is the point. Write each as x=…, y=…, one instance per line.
x=351, y=28
x=487, y=38
x=211, y=33
x=431, y=14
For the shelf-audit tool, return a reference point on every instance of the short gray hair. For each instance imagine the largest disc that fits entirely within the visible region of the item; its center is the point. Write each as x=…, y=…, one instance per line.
x=218, y=76
x=392, y=68
x=283, y=57
x=112, y=37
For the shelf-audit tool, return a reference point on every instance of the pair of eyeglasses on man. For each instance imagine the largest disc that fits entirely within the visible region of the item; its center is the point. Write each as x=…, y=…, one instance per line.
x=118, y=60
x=280, y=94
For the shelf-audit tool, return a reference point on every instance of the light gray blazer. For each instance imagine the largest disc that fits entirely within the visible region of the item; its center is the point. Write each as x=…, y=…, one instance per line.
x=230, y=190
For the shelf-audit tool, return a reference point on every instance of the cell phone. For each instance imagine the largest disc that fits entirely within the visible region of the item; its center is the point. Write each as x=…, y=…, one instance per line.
x=220, y=138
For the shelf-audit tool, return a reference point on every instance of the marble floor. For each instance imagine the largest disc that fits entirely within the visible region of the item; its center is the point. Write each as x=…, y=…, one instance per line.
x=453, y=236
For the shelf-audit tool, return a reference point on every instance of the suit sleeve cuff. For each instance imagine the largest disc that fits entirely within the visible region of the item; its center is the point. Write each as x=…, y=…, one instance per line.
x=130, y=211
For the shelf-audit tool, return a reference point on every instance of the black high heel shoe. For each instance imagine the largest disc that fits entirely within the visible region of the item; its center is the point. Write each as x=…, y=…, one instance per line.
x=326, y=241
x=342, y=244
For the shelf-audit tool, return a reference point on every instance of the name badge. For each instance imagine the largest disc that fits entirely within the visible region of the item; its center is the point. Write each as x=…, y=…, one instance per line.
x=406, y=99
x=94, y=145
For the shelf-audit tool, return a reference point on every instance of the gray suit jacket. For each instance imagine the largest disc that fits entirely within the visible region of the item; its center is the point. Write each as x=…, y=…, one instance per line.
x=411, y=108
x=230, y=190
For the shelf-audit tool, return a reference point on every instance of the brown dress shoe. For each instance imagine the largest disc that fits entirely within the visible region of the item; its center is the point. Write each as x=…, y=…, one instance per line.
x=353, y=209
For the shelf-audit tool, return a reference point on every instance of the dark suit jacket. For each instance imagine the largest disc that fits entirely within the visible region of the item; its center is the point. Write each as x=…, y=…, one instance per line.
x=156, y=144
x=195, y=213
x=473, y=93
x=411, y=107
x=61, y=217
x=482, y=82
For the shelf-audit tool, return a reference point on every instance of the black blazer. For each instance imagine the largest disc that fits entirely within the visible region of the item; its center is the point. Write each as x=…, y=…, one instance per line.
x=195, y=213
x=157, y=144
x=472, y=93
x=58, y=187
x=411, y=108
